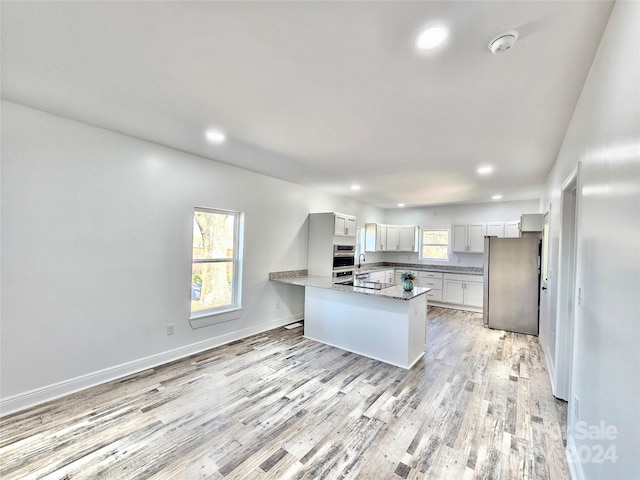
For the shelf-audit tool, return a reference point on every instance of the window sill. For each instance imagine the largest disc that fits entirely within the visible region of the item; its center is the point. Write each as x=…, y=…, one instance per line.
x=205, y=319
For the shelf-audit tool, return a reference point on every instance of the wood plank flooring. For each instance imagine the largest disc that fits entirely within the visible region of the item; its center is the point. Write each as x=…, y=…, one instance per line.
x=278, y=406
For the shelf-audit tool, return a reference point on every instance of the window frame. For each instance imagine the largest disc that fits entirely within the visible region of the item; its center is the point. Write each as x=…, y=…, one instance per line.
x=201, y=318
x=422, y=244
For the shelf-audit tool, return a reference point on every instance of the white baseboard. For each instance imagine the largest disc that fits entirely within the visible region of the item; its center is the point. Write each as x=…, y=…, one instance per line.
x=25, y=400
x=551, y=368
x=575, y=468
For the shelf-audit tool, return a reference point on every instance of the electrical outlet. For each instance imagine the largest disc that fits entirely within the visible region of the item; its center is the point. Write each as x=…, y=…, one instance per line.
x=171, y=329
x=576, y=407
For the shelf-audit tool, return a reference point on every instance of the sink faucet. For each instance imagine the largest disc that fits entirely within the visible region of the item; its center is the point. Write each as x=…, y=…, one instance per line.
x=363, y=259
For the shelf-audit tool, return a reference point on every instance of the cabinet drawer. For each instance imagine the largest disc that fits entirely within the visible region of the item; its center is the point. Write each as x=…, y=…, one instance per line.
x=431, y=275
x=463, y=277
x=435, y=295
x=433, y=283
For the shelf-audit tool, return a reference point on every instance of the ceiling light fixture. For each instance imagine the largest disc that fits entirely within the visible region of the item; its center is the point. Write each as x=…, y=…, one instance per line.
x=431, y=37
x=401, y=204
x=496, y=197
x=355, y=188
x=485, y=170
x=215, y=136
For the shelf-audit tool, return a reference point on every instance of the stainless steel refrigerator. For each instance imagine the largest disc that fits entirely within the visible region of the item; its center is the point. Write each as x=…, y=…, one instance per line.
x=511, y=284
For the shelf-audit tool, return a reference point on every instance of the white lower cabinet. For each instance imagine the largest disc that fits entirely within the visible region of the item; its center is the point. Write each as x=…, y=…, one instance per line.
x=454, y=289
x=432, y=280
x=382, y=276
x=462, y=289
x=389, y=277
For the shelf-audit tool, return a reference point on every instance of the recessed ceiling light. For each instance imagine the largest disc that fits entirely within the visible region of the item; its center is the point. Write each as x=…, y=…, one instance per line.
x=401, y=204
x=496, y=197
x=485, y=170
x=215, y=136
x=431, y=37
x=355, y=188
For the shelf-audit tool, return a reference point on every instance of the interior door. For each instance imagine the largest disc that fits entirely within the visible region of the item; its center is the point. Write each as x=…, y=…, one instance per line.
x=544, y=277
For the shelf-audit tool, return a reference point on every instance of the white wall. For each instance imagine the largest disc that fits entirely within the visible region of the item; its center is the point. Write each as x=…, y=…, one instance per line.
x=604, y=135
x=444, y=216
x=96, y=252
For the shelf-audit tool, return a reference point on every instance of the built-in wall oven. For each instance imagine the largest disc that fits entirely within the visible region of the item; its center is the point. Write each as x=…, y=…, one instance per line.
x=343, y=262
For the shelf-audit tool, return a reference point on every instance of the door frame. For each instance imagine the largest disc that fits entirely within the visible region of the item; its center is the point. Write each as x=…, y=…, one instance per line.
x=567, y=262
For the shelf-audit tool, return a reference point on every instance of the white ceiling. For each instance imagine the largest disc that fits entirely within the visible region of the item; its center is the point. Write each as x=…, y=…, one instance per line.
x=324, y=94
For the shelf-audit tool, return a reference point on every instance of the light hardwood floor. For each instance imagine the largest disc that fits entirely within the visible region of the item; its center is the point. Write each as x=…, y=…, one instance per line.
x=278, y=406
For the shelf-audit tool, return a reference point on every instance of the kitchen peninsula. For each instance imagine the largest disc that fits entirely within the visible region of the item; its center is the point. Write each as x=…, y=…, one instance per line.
x=386, y=324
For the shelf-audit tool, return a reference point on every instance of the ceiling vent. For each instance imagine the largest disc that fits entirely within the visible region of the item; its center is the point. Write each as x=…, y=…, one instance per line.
x=503, y=42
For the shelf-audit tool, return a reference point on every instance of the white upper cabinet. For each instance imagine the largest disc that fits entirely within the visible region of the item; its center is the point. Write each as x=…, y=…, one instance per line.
x=503, y=229
x=408, y=238
x=375, y=237
x=458, y=238
x=468, y=238
x=391, y=238
x=512, y=229
x=495, y=229
x=393, y=235
x=345, y=225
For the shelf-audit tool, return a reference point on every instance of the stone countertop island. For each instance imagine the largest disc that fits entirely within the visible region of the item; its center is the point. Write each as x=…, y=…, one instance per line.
x=387, y=324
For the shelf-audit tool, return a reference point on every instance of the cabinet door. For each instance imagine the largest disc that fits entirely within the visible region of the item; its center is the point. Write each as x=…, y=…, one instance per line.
x=381, y=238
x=435, y=295
x=458, y=238
x=350, y=226
x=377, y=276
x=392, y=237
x=340, y=226
x=473, y=294
x=407, y=241
x=344, y=226
x=389, y=276
x=495, y=229
x=512, y=229
x=453, y=292
x=475, y=239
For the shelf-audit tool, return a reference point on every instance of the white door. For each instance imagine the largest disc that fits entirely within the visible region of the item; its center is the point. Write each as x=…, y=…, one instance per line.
x=458, y=238
x=476, y=238
x=407, y=240
x=544, y=279
x=495, y=229
x=340, y=225
x=512, y=229
x=393, y=234
x=473, y=294
x=453, y=292
x=351, y=226
x=381, y=238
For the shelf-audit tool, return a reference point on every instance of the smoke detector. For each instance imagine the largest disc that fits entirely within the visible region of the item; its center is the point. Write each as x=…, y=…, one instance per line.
x=503, y=42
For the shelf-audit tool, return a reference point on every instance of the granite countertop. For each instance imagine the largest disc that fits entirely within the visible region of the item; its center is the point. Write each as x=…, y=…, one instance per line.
x=395, y=291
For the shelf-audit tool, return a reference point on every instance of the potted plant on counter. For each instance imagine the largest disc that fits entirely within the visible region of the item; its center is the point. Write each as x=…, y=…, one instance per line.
x=407, y=281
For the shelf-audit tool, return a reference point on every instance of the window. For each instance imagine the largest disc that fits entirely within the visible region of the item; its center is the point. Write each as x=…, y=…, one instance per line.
x=435, y=245
x=216, y=265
